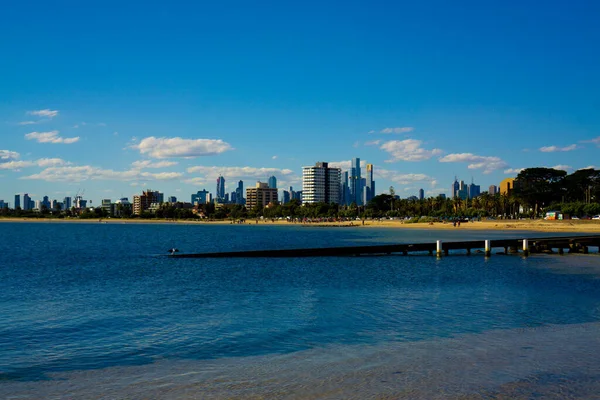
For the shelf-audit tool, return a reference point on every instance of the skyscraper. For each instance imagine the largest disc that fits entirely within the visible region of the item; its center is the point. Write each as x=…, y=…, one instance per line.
x=17, y=201
x=421, y=194
x=493, y=190
x=27, y=202
x=273, y=182
x=354, y=182
x=344, y=190
x=239, y=193
x=67, y=203
x=220, y=188
x=370, y=184
x=473, y=190
x=321, y=184
x=454, y=189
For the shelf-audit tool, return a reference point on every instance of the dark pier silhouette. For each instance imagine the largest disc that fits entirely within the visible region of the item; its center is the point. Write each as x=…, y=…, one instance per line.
x=525, y=246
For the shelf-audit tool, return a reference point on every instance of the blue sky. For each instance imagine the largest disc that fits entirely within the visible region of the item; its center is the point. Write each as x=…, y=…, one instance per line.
x=121, y=96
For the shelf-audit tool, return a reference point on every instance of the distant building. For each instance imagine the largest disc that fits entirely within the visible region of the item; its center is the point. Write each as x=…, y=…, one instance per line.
x=507, y=186
x=273, y=182
x=297, y=195
x=3, y=204
x=473, y=190
x=442, y=196
x=67, y=203
x=123, y=207
x=144, y=201
x=286, y=197
x=412, y=198
x=17, y=201
x=369, y=187
x=220, y=188
x=345, y=189
x=233, y=197
x=202, y=197
x=108, y=207
x=27, y=202
x=493, y=190
x=239, y=193
x=321, y=184
x=421, y=194
x=261, y=195
x=172, y=199
x=355, y=182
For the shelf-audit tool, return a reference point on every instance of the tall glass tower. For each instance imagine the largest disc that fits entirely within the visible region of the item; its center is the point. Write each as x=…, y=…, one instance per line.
x=354, y=182
x=273, y=182
x=220, y=188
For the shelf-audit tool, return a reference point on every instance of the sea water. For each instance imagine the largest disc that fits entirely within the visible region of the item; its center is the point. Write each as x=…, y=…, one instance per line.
x=91, y=310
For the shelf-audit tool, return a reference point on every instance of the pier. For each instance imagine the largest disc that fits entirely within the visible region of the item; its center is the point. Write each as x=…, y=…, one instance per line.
x=523, y=246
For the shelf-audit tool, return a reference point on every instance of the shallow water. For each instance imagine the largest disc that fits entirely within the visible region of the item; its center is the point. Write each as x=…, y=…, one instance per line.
x=92, y=311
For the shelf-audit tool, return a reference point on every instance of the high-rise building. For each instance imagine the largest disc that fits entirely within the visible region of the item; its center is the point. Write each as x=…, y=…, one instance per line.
x=355, y=182
x=202, y=197
x=46, y=203
x=27, y=202
x=473, y=190
x=220, y=188
x=239, y=193
x=261, y=195
x=143, y=202
x=17, y=201
x=454, y=188
x=108, y=207
x=344, y=189
x=3, y=204
x=286, y=197
x=273, y=182
x=172, y=199
x=493, y=190
x=370, y=184
x=421, y=194
x=321, y=184
x=67, y=203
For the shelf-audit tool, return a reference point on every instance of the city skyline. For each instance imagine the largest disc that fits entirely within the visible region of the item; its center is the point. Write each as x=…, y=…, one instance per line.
x=117, y=112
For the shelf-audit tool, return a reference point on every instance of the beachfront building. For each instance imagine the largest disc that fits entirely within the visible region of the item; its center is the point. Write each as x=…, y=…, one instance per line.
x=123, y=207
x=321, y=184
x=108, y=207
x=144, y=201
x=261, y=195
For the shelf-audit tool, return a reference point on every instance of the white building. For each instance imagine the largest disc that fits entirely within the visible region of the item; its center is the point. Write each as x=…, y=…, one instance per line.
x=321, y=184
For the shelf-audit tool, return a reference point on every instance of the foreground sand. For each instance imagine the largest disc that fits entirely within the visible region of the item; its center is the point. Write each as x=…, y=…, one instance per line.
x=573, y=226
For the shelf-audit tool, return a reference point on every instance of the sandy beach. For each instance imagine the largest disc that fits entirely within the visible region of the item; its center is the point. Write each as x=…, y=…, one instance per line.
x=569, y=226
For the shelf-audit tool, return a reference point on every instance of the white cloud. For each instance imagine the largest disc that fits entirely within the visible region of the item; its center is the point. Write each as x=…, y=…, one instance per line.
x=31, y=122
x=371, y=131
x=44, y=113
x=513, y=171
x=274, y=158
x=8, y=155
x=551, y=149
x=487, y=164
x=595, y=140
x=152, y=164
x=16, y=165
x=178, y=147
x=373, y=143
x=211, y=173
x=402, y=129
x=588, y=167
x=50, y=137
x=402, y=179
x=562, y=167
x=408, y=150
x=344, y=165
x=42, y=162
x=87, y=172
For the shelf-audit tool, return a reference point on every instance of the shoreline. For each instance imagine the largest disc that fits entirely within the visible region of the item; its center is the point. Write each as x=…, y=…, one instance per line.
x=573, y=226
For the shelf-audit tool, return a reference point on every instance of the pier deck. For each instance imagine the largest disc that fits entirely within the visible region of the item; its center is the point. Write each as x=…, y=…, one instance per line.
x=573, y=244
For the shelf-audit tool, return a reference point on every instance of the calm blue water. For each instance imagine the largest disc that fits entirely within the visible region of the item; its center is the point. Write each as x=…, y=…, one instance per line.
x=93, y=296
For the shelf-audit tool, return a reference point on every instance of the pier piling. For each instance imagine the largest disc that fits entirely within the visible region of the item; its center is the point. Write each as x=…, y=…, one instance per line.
x=439, y=248
x=488, y=248
x=525, y=247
